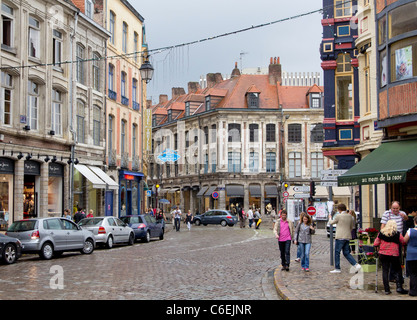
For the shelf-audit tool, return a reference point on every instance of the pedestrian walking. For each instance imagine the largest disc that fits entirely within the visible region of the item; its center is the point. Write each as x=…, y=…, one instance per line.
x=177, y=217
x=284, y=232
x=257, y=218
x=411, y=241
x=78, y=216
x=344, y=225
x=189, y=219
x=298, y=259
x=303, y=233
x=388, y=241
x=67, y=214
x=241, y=215
x=250, y=217
x=394, y=213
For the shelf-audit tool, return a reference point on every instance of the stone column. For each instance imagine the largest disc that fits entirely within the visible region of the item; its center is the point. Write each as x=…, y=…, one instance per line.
x=19, y=177
x=43, y=190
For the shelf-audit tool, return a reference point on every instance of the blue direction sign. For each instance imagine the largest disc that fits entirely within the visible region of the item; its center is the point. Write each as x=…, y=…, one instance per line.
x=169, y=155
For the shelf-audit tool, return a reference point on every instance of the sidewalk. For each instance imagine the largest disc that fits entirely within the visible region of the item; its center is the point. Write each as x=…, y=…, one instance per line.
x=320, y=284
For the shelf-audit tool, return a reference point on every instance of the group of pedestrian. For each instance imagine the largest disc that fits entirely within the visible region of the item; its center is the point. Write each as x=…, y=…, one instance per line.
x=398, y=234
x=253, y=217
x=79, y=215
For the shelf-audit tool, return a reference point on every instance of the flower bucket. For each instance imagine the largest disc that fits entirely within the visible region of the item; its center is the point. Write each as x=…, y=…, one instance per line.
x=368, y=267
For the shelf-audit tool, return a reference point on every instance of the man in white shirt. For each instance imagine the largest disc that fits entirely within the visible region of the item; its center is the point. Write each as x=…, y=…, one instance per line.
x=250, y=217
x=177, y=216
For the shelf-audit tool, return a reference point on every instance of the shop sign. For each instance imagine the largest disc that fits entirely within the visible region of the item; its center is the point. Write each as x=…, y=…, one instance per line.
x=55, y=170
x=6, y=165
x=32, y=167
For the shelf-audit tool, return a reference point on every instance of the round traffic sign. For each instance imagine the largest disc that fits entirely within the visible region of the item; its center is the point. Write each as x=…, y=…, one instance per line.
x=285, y=194
x=311, y=211
x=215, y=194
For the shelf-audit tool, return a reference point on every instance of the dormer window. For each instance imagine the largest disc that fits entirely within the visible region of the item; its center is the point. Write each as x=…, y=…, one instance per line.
x=208, y=103
x=253, y=100
x=169, y=115
x=315, y=100
x=187, y=109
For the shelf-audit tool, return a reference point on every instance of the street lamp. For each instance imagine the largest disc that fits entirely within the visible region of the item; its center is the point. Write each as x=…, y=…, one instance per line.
x=146, y=73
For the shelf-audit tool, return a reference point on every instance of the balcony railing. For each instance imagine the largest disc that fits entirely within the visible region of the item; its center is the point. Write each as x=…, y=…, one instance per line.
x=112, y=158
x=136, y=106
x=125, y=101
x=112, y=94
x=124, y=163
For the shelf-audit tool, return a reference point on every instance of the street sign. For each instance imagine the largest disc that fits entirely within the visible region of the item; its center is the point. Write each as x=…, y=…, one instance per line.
x=215, y=195
x=169, y=155
x=301, y=188
x=301, y=195
x=328, y=183
x=311, y=211
x=149, y=193
x=285, y=194
x=333, y=172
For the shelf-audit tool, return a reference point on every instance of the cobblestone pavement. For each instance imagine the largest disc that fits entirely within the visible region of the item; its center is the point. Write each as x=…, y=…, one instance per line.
x=206, y=263
x=211, y=262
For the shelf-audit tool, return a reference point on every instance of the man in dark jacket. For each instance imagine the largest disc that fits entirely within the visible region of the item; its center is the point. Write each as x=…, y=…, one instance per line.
x=78, y=216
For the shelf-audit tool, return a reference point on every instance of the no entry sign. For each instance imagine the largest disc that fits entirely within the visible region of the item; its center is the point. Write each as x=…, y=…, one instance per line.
x=311, y=211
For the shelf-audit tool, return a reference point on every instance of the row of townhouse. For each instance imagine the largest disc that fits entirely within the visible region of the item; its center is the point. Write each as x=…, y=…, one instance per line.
x=54, y=106
x=236, y=141
x=369, y=58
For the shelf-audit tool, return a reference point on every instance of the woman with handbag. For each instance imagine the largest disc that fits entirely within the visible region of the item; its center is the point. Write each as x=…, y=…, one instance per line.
x=303, y=233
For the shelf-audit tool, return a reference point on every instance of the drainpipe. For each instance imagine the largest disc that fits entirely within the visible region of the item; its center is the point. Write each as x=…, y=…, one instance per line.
x=71, y=107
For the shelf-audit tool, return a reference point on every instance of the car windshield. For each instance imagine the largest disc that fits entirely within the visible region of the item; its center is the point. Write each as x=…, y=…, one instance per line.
x=91, y=222
x=21, y=226
x=134, y=219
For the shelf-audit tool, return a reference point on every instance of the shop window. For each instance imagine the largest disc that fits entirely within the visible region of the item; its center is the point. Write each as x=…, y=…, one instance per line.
x=404, y=59
x=402, y=20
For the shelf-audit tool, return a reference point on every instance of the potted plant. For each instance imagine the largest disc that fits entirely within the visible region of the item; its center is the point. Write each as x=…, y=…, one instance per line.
x=363, y=237
x=372, y=233
x=369, y=262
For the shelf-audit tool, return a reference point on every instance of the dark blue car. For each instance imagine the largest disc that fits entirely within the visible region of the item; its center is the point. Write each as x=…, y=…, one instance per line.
x=145, y=226
x=216, y=216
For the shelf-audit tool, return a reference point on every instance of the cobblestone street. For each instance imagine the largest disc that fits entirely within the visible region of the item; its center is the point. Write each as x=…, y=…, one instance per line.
x=209, y=262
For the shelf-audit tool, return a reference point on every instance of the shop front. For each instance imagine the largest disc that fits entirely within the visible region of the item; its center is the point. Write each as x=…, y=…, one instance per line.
x=130, y=192
x=6, y=191
x=394, y=164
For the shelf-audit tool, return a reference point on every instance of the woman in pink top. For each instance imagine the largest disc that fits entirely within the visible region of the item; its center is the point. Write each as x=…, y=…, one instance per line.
x=284, y=232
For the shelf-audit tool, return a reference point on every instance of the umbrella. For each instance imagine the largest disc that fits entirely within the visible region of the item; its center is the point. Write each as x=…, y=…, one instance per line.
x=164, y=201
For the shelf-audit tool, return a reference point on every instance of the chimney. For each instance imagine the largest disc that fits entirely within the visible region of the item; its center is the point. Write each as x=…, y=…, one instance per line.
x=193, y=87
x=274, y=71
x=213, y=79
x=235, y=71
x=176, y=92
x=163, y=98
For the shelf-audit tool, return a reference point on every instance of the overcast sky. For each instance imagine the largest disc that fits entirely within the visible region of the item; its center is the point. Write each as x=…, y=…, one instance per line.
x=170, y=23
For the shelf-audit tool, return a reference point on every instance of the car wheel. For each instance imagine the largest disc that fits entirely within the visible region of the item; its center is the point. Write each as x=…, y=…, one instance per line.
x=9, y=254
x=131, y=239
x=88, y=247
x=47, y=251
x=147, y=237
x=161, y=236
x=197, y=222
x=109, y=243
x=223, y=223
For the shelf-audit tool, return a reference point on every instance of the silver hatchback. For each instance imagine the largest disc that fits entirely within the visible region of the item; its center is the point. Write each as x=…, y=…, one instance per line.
x=108, y=230
x=51, y=236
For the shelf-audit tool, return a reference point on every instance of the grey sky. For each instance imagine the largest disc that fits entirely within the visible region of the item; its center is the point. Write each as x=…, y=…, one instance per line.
x=169, y=23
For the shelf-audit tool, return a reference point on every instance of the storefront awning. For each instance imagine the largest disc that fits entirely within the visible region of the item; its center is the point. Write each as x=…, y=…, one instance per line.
x=235, y=191
x=389, y=163
x=173, y=190
x=209, y=191
x=90, y=176
x=255, y=190
x=202, y=191
x=103, y=176
x=271, y=191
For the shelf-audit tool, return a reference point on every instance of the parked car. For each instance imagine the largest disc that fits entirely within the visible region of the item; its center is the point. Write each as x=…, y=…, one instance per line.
x=145, y=226
x=10, y=249
x=51, y=236
x=222, y=217
x=108, y=230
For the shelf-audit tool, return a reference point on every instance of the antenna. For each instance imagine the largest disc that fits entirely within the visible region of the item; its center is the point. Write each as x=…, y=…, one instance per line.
x=241, y=55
